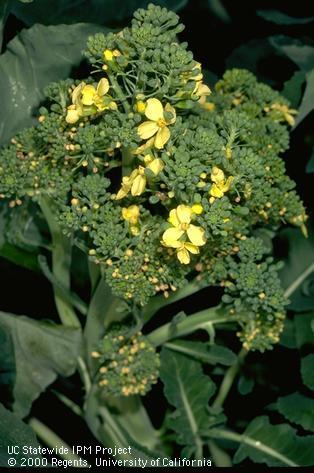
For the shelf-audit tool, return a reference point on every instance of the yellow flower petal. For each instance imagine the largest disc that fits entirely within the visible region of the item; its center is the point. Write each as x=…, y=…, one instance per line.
x=183, y=256
x=184, y=213
x=147, y=129
x=72, y=115
x=148, y=144
x=173, y=219
x=192, y=248
x=196, y=235
x=102, y=87
x=171, y=236
x=156, y=166
x=215, y=191
x=77, y=92
x=217, y=175
x=197, y=209
x=172, y=110
x=88, y=93
x=227, y=184
x=154, y=110
x=163, y=135
x=138, y=186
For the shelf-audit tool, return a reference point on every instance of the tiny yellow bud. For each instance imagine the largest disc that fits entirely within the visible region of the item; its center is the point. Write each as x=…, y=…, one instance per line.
x=108, y=55
x=197, y=209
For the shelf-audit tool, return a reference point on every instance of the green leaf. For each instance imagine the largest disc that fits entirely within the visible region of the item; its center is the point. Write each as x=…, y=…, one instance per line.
x=42, y=351
x=275, y=16
x=292, y=88
x=307, y=371
x=204, y=352
x=304, y=329
x=298, y=272
x=303, y=56
x=310, y=164
x=33, y=59
x=307, y=104
x=53, y=12
x=299, y=53
x=298, y=409
x=287, y=337
x=13, y=432
x=245, y=385
x=275, y=445
x=188, y=390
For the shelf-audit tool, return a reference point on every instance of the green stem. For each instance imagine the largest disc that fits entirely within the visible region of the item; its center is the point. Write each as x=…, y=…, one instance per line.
x=119, y=92
x=61, y=265
x=228, y=380
x=52, y=440
x=127, y=160
x=188, y=325
x=158, y=302
x=84, y=374
x=69, y=403
x=251, y=442
x=297, y=282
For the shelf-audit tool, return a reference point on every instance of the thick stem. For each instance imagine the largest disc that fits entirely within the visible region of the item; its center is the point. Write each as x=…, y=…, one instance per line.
x=158, y=302
x=188, y=325
x=228, y=379
x=251, y=442
x=52, y=440
x=61, y=265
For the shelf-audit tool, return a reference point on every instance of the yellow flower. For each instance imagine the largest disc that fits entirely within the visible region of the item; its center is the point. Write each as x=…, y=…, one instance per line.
x=140, y=106
x=176, y=236
x=136, y=182
x=88, y=100
x=286, y=112
x=158, y=120
x=201, y=91
x=109, y=55
x=131, y=214
x=155, y=165
x=221, y=185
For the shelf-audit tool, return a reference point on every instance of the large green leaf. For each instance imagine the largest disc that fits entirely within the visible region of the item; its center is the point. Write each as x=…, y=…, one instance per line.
x=298, y=272
x=304, y=329
x=14, y=433
x=298, y=409
x=275, y=445
x=34, y=58
x=52, y=12
x=275, y=16
x=204, y=352
x=42, y=351
x=307, y=371
x=303, y=56
x=292, y=88
x=188, y=389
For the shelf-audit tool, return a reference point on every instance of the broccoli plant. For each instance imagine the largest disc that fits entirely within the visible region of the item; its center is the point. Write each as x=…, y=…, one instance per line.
x=161, y=187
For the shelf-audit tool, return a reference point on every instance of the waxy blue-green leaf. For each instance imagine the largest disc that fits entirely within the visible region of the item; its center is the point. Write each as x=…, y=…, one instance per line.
x=275, y=445
x=303, y=56
x=189, y=390
x=307, y=371
x=304, y=329
x=298, y=409
x=32, y=60
x=14, y=432
x=103, y=12
x=41, y=351
x=297, y=275
x=276, y=16
x=211, y=354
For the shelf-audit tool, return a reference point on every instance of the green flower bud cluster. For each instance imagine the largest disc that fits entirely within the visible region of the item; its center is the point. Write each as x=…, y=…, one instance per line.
x=253, y=291
x=156, y=177
x=128, y=364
